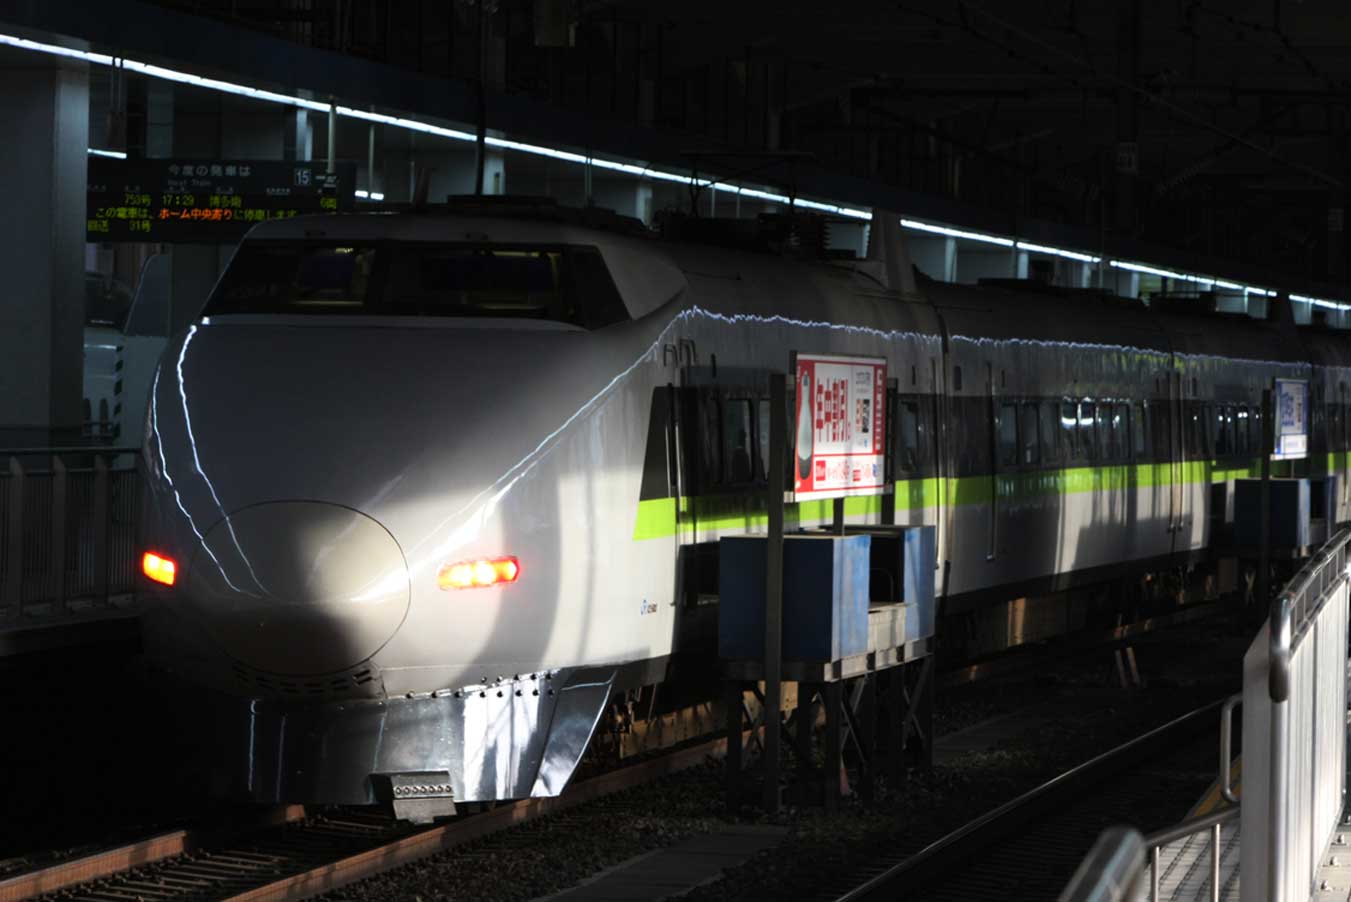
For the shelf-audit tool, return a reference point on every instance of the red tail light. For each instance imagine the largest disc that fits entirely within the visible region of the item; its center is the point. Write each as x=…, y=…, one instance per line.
x=476, y=574
x=159, y=568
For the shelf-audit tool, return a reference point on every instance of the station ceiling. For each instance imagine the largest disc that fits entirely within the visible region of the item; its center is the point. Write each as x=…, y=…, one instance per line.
x=1218, y=128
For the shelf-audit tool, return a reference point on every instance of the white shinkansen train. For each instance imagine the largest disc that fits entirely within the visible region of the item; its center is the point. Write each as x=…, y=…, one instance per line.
x=425, y=490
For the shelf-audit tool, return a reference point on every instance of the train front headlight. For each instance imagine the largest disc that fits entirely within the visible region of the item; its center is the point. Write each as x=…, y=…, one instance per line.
x=480, y=573
x=159, y=568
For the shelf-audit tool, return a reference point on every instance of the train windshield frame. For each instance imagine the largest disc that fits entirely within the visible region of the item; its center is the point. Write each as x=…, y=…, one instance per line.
x=555, y=282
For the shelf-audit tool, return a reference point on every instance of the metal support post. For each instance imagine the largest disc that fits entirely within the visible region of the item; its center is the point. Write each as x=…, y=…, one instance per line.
x=332, y=138
x=1264, y=510
x=58, y=549
x=1215, y=863
x=102, y=497
x=773, y=665
x=370, y=162
x=837, y=517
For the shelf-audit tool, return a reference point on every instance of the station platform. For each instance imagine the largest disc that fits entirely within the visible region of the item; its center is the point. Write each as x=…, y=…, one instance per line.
x=1185, y=866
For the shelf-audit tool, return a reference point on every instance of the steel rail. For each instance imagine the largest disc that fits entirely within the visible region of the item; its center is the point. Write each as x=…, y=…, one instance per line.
x=97, y=865
x=440, y=838
x=1007, y=817
x=70, y=874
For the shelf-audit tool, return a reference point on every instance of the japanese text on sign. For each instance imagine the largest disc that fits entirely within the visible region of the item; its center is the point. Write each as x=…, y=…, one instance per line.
x=1292, y=419
x=212, y=201
x=840, y=432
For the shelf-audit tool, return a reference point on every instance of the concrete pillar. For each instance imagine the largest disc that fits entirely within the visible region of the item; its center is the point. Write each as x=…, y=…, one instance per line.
x=42, y=247
x=304, y=136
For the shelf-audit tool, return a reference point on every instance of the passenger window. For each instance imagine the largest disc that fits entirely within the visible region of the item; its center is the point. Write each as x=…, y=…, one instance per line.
x=908, y=444
x=1031, y=454
x=1106, y=437
x=1140, y=431
x=1163, y=432
x=736, y=436
x=1088, y=439
x=1121, y=431
x=1007, y=435
x=1195, y=427
x=1069, y=431
x=710, y=446
x=1255, y=436
x=1221, y=431
x=1049, y=430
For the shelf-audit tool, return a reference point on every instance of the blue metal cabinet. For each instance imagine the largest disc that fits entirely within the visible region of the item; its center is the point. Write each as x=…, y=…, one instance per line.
x=825, y=597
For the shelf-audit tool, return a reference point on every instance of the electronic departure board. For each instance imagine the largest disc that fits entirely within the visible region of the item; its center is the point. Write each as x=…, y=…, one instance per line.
x=206, y=201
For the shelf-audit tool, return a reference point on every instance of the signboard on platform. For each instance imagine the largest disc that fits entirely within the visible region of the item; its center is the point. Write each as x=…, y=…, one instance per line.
x=188, y=201
x=1291, y=400
x=839, y=426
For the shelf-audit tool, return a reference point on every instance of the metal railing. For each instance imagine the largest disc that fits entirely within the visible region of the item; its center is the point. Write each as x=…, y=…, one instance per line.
x=1294, y=740
x=1294, y=732
x=67, y=530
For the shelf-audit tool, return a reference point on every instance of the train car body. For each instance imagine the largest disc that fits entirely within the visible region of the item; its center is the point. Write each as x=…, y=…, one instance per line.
x=434, y=486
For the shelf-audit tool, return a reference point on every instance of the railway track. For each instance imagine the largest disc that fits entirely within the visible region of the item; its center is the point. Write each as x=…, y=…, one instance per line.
x=1029, y=847
x=301, y=856
x=298, y=856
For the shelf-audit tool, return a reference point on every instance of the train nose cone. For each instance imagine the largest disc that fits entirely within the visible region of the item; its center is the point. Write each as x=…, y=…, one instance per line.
x=300, y=587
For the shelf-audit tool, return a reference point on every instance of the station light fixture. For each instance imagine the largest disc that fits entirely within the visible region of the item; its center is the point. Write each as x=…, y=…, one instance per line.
x=115, y=154
x=480, y=573
x=159, y=568
x=956, y=233
x=1320, y=302
x=369, y=195
x=1057, y=251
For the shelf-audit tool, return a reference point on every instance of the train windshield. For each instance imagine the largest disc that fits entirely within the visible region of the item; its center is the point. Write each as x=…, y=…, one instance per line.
x=566, y=284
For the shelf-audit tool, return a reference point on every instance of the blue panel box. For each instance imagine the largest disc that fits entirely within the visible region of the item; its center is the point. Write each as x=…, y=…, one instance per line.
x=825, y=597
x=921, y=551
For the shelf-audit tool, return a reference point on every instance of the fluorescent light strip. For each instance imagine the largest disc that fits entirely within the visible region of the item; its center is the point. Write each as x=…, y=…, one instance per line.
x=368, y=195
x=215, y=84
x=1198, y=280
x=956, y=233
x=412, y=125
x=1320, y=302
x=1059, y=252
x=115, y=154
x=101, y=59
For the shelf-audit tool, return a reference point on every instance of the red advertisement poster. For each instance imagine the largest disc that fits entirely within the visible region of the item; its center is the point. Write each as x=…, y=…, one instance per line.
x=839, y=426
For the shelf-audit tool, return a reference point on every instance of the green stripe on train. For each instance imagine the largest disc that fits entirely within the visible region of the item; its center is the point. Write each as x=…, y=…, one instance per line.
x=657, y=517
